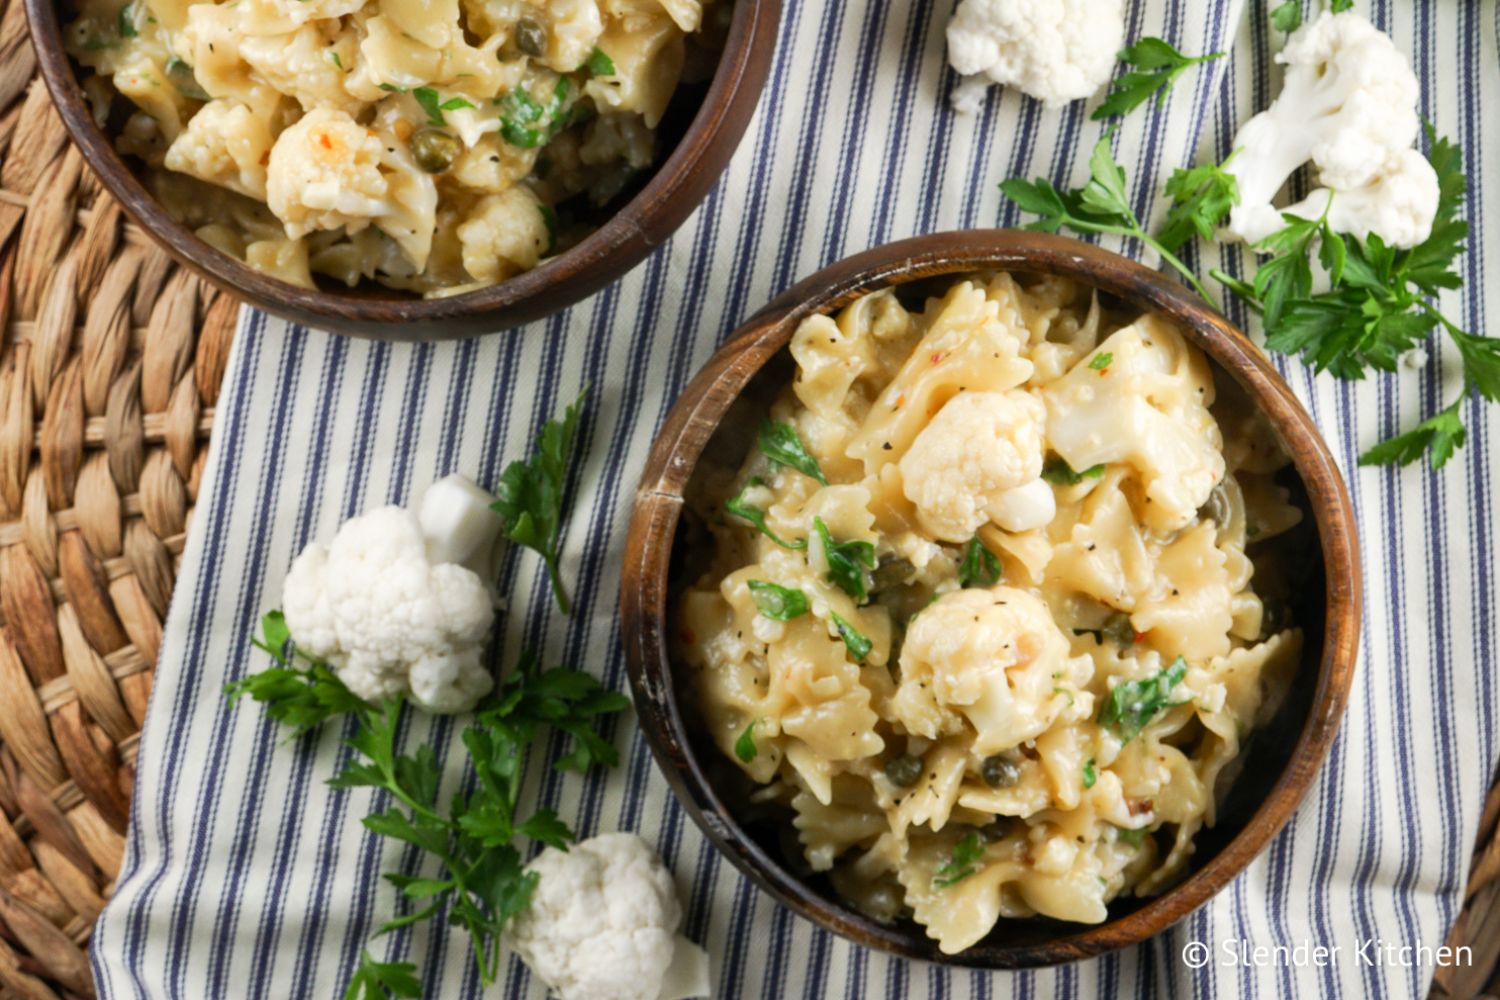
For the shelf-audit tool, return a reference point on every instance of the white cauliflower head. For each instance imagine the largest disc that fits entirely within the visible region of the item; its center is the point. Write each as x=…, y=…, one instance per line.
x=388, y=617
x=602, y=925
x=976, y=448
x=329, y=172
x=985, y=656
x=507, y=233
x=1055, y=50
x=1146, y=406
x=1398, y=204
x=1348, y=104
x=226, y=144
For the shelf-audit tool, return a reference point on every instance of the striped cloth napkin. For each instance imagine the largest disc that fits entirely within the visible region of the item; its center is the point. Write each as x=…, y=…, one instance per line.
x=246, y=877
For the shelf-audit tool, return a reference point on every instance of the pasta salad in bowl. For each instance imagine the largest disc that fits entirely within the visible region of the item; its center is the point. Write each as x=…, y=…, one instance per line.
x=996, y=604
x=409, y=150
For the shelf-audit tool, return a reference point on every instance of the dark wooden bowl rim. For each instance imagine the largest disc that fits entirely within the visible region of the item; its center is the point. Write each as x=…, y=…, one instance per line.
x=643, y=596
x=682, y=181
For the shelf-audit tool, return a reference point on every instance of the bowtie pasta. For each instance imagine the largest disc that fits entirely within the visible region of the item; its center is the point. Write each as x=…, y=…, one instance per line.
x=430, y=145
x=980, y=607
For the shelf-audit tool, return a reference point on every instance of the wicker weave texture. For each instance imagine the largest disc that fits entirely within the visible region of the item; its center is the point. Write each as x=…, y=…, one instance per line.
x=109, y=372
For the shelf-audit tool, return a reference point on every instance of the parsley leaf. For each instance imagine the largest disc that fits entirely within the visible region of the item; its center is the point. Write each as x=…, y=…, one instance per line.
x=1439, y=436
x=1202, y=198
x=600, y=64
x=778, y=603
x=1060, y=473
x=1101, y=206
x=125, y=22
x=530, y=494
x=1157, y=67
x=1099, y=362
x=1132, y=704
x=1339, y=6
x=526, y=122
x=739, y=505
x=847, y=562
x=980, y=567
x=744, y=747
x=783, y=446
x=965, y=862
x=1090, y=773
x=1287, y=17
x=482, y=883
x=856, y=641
x=1134, y=836
x=383, y=980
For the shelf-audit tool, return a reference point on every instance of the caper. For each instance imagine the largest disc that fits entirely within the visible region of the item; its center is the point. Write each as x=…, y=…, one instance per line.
x=1000, y=771
x=997, y=829
x=1117, y=627
x=1277, y=616
x=904, y=771
x=434, y=150
x=531, y=38
x=891, y=573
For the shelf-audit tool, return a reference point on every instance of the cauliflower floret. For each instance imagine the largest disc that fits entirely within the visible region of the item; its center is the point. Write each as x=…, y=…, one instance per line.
x=1399, y=204
x=226, y=144
x=602, y=925
x=976, y=448
x=1349, y=104
x=575, y=29
x=329, y=172
x=988, y=655
x=390, y=619
x=506, y=234
x=1146, y=406
x=1055, y=50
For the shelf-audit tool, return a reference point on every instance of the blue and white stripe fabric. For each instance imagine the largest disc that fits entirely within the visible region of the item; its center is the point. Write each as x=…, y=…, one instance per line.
x=246, y=877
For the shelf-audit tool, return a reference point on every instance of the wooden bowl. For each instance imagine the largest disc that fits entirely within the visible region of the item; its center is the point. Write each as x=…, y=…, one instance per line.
x=1283, y=758
x=708, y=137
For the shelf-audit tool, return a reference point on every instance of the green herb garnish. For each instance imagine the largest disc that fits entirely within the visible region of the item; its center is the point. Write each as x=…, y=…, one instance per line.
x=526, y=123
x=1101, y=361
x=383, y=980
x=856, y=641
x=744, y=746
x=1100, y=206
x=741, y=508
x=530, y=494
x=1157, y=67
x=848, y=562
x=432, y=102
x=778, y=603
x=334, y=58
x=1060, y=473
x=600, y=64
x=965, y=862
x=782, y=445
x=1090, y=774
x=980, y=567
x=391, y=88
x=1202, y=197
x=1287, y=17
x=1133, y=704
x=480, y=882
x=125, y=22
x=1134, y=836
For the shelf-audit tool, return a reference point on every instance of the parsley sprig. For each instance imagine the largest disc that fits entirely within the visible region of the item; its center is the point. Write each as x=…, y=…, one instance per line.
x=1378, y=305
x=980, y=567
x=1100, y=206
x=967, y=854
x=1131, y=705
x=481, y=882
x=529, y=496
x=1157, y=67
x=740, y=506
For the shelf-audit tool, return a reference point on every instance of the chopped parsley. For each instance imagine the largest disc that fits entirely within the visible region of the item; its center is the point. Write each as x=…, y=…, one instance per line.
x=1060, y=473
x=744, y=747
x=1090, y=773
x=848, y=562
x=1134, y=836
x=526, y=122
x=965, y=862
x=740, y=507
x=859, y=645
x=600, y=64
x=980, y=566
x=1102, y=361
x=125, y=22
x=778, y=603
x=432, y=102
x=1133, y=704
x=782, y=445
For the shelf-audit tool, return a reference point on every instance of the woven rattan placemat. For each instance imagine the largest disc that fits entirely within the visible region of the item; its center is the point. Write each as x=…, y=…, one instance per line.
x=109, y=372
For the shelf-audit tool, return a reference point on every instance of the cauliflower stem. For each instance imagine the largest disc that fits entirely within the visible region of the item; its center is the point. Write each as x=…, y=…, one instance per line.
x=482, y=884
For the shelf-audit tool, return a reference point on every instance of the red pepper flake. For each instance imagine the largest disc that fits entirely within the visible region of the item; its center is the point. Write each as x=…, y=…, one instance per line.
x=899, y=400
x=324, y=141
x=1140, y=637
x=937, y=356
x=1141, y=807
